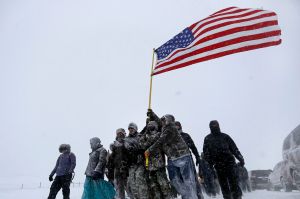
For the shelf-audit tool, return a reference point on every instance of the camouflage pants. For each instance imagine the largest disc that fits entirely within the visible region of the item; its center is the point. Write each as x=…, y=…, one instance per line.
x=137, y=182
x=159, y=184
x=120, y=186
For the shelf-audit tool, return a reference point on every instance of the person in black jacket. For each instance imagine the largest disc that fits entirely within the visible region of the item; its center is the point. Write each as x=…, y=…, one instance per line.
x=220, y=151
x=243, y=178
x=189, y=141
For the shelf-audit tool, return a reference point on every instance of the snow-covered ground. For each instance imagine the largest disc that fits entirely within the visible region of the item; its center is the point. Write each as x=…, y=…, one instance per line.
x=39, y=193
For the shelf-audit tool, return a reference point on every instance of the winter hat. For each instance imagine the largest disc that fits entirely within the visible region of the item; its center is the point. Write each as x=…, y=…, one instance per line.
x=133, y=125
x=177, y=123
x=153, y=123
x=121, y=131
x=95, y=142
x=64, y=148
x=168, y=118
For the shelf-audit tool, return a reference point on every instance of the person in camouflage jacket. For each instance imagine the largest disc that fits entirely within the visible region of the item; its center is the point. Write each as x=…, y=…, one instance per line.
x=137, y=178
x=118, y=165
x=180, y=163
x=158, y=180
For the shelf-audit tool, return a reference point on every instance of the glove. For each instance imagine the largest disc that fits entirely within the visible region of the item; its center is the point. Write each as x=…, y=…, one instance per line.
x=242, y=163
x=96, y=175
x=197, y=161
x=50, y=178
x=149, y=113
x=147, y=120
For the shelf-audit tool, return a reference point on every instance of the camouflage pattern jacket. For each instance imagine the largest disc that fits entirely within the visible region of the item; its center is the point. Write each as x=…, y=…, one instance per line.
x=157, y=157
x=171, y=142
x=134, y=151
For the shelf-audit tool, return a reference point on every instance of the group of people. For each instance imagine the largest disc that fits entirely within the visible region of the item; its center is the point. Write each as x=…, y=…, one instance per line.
x=155, y=163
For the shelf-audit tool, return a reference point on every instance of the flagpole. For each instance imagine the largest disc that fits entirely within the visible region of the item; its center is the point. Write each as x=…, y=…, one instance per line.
x=151, y=77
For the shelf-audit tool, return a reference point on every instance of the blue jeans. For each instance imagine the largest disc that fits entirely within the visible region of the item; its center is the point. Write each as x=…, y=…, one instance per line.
x=182, y=176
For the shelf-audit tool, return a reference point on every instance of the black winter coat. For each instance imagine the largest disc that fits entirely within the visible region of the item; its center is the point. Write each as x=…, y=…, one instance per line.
x=219, y=149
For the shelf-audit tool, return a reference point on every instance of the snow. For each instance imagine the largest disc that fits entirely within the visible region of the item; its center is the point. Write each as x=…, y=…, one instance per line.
x=38, y=193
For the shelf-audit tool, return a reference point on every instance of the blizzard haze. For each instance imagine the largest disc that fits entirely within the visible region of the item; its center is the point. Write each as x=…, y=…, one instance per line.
x=73, y=69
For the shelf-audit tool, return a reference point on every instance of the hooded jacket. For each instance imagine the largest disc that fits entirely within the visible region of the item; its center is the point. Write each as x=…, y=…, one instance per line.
x=118, y=160
x=170, y=140
x=65, y=163
x=157, y=158
x=219, y=149
x=134, y=151
x=97, y=159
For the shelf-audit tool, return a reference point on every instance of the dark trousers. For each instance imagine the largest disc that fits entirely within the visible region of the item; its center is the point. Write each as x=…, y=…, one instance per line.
x=198, y=186
x=245, y=185
x=210, y=186
x=228, y=180
x=61, y=182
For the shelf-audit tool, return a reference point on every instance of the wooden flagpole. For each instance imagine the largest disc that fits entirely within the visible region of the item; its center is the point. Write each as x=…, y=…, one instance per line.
x=151, y=77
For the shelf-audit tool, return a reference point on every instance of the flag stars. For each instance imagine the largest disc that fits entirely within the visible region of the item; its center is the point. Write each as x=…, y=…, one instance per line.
x=181, y=40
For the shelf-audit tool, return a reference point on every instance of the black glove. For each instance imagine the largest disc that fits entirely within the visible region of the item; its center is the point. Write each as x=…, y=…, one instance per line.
x=96, y=175
x=242, y=163
x=50, y=178
x=149, y=113
x=197, y=161
x=147, y=120
x=131, y=149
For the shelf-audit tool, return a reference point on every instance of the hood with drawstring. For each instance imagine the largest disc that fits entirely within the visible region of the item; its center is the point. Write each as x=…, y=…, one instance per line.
x=97, y=160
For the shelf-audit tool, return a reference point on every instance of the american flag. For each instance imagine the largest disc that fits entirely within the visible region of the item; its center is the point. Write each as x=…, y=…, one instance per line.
x=228, y=31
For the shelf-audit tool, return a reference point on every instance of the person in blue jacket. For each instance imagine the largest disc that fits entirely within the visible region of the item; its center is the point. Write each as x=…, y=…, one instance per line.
x=63, y=169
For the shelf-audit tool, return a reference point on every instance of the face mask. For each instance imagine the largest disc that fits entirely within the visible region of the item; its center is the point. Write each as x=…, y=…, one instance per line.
x=215, y=129
x=120, y=138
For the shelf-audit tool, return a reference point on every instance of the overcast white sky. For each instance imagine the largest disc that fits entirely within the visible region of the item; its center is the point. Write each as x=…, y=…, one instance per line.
x=74, y=69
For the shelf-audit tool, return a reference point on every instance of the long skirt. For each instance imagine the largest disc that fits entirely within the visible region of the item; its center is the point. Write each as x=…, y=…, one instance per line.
x=97, y=189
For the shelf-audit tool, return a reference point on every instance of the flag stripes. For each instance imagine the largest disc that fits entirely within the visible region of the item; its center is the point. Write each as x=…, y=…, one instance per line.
x=228, y=31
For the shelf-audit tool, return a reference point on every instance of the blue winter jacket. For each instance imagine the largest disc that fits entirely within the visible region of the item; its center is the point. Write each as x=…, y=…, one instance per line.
x=65, y=164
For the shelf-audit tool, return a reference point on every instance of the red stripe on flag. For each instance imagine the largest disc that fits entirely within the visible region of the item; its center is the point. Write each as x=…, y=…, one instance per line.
x=233, y=22
x=229, y=17
x=228, y=13
x=209, y=17
x=223, y=10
